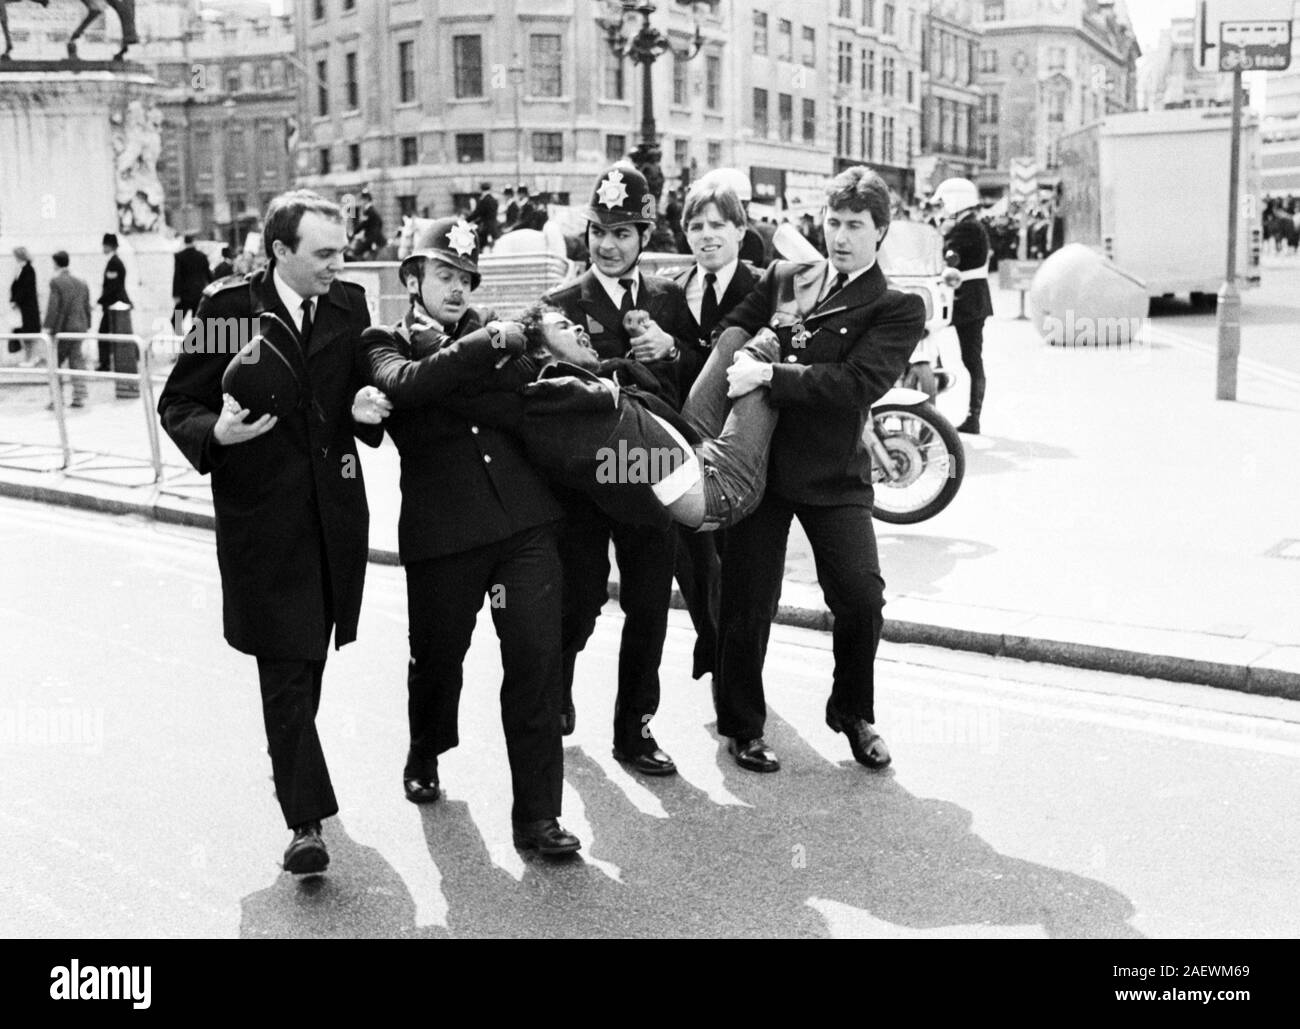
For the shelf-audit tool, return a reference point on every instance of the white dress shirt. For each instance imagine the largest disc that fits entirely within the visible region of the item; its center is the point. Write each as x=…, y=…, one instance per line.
x=695, y=286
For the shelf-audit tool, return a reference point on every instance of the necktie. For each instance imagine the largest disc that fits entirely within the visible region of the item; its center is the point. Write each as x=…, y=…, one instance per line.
x=627, y=303
x=840, y=280
x=709, y=305
x=304, y=334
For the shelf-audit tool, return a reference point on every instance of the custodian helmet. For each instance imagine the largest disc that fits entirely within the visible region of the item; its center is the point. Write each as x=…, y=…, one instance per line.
x=452, y=241
x=621, y=197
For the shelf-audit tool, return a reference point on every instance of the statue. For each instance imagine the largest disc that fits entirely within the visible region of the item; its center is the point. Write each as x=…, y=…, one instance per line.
x=125, y=10
x=137, y=145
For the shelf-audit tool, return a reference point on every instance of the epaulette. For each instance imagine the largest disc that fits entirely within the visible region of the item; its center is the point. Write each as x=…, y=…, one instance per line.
x=229, y=282
x=352, y=285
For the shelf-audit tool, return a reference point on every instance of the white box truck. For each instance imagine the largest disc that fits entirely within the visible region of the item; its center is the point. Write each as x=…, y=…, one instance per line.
x=1149, y=190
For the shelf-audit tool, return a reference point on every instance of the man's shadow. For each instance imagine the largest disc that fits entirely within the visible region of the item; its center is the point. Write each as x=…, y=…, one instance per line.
x=360, y=896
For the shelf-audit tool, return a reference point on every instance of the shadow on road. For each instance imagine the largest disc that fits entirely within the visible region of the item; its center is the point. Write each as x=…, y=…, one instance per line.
x=917, y=565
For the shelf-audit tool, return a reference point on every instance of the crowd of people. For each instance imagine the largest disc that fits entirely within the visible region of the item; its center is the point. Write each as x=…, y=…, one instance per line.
x=528, y=446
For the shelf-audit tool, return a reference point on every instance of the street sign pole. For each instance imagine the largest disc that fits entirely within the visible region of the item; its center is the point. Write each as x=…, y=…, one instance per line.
x=1229, y=311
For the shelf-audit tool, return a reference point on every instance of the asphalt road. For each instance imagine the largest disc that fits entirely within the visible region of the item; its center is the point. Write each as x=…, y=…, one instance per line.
x=1025, y=801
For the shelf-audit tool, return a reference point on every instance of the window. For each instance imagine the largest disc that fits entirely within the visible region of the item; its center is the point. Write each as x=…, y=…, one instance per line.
x=323, y=160
x=715, y=153
x=760, y=113
x=911, y=86
x=843, y=127
x=989, y=143
x=681, y=152
x=810, y=121
x=887, y=76
x=467, y=65
x=785, y=117
x=911, y=139
x=713, y=82
x=988, y=61
x=614, y=84
x=233, y=83
x=785, y=40
x=869, y=143
x=350, y=87
x=760, y=32
x=679, y=81
x=270, y=148
x=846, y=9
x=322, y=88
x=809, y=47
x=354, y=157
x=844, y=63
x=262, y=77
x=869, y=12
x=868, y=70
x=887, y=140
x=989, y=104
x=1056, y=58
x=410, y=147
x=544, y=65
x=887, y=19
x=615, y=148
x=1055, y=106
x=469, y=147
x=994, y=10
x=407, y=205
x=406, y=71
x=317, y=10
x=973, y=50
x=236, y=155
x=548, y=146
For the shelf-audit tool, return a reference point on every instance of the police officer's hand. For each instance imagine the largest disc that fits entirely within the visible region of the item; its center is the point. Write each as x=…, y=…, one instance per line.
x=508, y=337
x=746, y=375
x=370, y=406
x=231, y=428
x=653, y=344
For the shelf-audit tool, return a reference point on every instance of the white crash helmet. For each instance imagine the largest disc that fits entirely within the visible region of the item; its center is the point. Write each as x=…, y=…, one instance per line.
x=733, y=179
x=956, y=195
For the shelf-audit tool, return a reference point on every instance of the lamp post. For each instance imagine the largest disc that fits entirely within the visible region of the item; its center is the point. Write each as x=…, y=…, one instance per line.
x=516, y=73
x=644, y=45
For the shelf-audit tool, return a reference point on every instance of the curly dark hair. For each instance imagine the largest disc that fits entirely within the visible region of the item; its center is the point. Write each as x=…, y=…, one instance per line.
x=531, y=320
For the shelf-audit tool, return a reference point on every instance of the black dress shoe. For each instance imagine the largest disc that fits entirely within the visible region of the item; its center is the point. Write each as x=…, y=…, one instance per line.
x=753, y=754
x=868, y=746
x=423, y=790
x=306, y=854
x=546, y=837
x=653, y=762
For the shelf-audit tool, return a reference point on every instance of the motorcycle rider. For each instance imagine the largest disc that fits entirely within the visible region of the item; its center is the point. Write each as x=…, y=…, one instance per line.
x=966, y=248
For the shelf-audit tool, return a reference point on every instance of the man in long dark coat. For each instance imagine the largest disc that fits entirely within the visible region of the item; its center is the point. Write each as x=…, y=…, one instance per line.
x=292, y=520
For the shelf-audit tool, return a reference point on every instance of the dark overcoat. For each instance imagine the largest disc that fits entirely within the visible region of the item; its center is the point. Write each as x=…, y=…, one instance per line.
x=22, y=294
x=292, y=519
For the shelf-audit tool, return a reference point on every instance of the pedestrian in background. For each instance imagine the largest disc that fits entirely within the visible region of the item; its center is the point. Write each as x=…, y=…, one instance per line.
x=966, y=248
x=114, y=303
x=190, y=277
x=484, y=216
x=224, y=268
x=23, y=297
x=69, y=311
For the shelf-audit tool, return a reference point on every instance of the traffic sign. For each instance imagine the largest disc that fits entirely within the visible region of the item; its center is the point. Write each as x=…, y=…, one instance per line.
x=1024, y=178
x=1254, y=46
x=1212, y=15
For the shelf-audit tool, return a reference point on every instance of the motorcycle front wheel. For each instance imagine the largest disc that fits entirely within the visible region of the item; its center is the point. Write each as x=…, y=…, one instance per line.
x=928, y=463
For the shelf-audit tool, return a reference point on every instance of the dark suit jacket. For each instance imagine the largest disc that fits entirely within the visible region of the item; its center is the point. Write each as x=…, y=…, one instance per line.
x=114, y=290
x=965, y=247
x=190, y=277
x=697, y=351
x=860, y=343
x=69, y=306
x=292, y=495
x=465, y=482
x=485, y=212
x=22, y=294
x=586, y=303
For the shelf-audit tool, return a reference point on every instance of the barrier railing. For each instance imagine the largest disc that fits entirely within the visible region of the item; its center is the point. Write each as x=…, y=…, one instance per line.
x=141, y=380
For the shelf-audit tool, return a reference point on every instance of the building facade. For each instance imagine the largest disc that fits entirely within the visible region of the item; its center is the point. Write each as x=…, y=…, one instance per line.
x=1170, y=78
x=951, y=96
x=1281, y=131
x=1048, y=67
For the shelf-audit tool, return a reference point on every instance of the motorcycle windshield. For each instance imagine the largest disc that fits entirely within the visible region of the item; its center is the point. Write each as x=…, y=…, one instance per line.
x=911, y=248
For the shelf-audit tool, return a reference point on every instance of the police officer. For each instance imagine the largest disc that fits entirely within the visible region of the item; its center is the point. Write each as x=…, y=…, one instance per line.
x=477, y=520
x=287, y=489
x=625, y=313
x=966, y=248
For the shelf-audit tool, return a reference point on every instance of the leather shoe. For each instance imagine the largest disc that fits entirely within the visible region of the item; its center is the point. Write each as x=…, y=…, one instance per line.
x=546, y=837
x=868, y=746
x=753, y=754
x=971, y=426
x=306, y=854
x=423, y=790
x=653, y=762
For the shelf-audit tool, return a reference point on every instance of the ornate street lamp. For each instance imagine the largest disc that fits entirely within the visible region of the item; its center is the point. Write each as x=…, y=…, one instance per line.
x=644, y=46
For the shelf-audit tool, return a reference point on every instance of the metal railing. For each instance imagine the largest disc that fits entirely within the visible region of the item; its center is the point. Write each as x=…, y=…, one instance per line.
x=142, y=379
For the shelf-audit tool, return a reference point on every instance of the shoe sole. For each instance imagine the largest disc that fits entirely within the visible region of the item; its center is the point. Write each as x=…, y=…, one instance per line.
x=875, y=766
x=421, y=797
x=546, y=851
x=659, y=770
x=750, y=766
x=308, y=862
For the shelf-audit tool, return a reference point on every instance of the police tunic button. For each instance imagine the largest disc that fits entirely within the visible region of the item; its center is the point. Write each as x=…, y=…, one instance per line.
x=844, y=332
x=792, y=359
x=487, y=458
x=474, y=429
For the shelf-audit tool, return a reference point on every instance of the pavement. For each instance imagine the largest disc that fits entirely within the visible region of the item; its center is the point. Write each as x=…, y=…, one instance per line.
x=1114, y=515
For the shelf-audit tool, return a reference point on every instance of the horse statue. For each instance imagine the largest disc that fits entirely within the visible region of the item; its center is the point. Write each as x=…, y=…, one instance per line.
x=125, y=10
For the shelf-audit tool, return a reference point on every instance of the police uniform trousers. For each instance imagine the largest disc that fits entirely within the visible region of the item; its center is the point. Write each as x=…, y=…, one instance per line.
x=520, y=578
x=753, y=565
x=645, y=563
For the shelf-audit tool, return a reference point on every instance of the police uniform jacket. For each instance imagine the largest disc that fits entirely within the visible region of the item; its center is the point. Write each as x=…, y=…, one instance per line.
x=465, y=483
x=966, y=248
x=852, y=349
x=114, y=291
x=290, y=504
x=696, y=352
